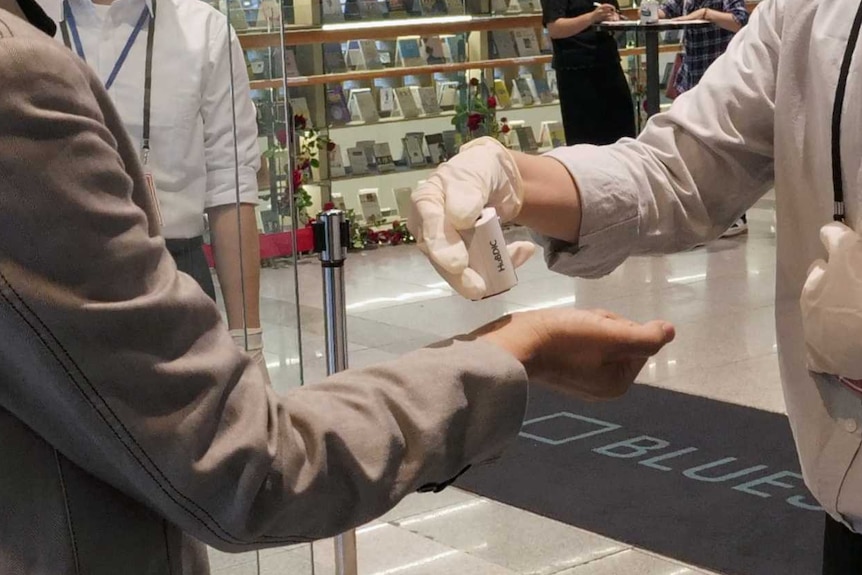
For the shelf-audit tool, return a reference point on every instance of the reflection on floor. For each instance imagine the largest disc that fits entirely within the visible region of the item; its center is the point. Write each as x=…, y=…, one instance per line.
x=720, y=298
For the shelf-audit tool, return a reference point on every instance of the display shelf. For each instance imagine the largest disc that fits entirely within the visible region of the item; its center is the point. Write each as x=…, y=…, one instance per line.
x=444, y=115
x=367, y=75
x=375, y=175
x=386, y=121
x=312, y=57
x=296, y=35
x=344, y=32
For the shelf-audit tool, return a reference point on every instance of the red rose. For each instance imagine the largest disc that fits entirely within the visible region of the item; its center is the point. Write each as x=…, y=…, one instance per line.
x=492, y=102
x=305, y=165
x=396, y=238
x=330, y=146
x=372, y=237
x=328, y=206
x=505, y=129
x=281, y=136
x=300, y=122
x=474, y=120
x=297, y=179
x=474, y=81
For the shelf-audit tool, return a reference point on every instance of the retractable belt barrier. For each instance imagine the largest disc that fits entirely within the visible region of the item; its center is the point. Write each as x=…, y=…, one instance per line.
x=331, y=238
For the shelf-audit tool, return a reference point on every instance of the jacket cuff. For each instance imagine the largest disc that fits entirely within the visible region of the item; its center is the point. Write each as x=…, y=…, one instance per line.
x=496, y=393
x=609, y=214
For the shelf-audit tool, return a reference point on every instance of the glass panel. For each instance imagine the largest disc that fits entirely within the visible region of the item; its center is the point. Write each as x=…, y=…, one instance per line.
x=259, y=227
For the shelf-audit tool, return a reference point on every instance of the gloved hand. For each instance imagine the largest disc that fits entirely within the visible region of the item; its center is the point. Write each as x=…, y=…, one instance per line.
x=483, y=174
x=255, y=347
x=832, y=305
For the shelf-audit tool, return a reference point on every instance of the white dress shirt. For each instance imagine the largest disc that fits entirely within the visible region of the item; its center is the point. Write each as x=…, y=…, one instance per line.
x=191, y=126
x=760, y=117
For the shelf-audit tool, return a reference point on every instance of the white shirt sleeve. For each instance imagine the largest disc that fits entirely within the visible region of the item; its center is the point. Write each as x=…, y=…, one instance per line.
x=218, y=125
x=693, y=170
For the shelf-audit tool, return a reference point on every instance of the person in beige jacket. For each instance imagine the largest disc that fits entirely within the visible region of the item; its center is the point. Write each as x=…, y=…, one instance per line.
x=132, y=428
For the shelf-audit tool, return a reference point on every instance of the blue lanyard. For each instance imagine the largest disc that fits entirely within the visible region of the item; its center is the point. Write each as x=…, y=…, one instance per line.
x=79, y=47
x=69, y=24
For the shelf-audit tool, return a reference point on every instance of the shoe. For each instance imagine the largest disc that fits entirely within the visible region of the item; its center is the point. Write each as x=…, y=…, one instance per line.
x=739, y=227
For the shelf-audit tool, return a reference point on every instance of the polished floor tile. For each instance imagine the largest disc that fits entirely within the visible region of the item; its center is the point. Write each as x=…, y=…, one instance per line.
x=632, y=562
x=511, y=538
x=384, y=549
x=423, y=503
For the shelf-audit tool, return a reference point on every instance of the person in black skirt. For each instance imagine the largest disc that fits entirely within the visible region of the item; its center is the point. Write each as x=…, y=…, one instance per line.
x=595, y=99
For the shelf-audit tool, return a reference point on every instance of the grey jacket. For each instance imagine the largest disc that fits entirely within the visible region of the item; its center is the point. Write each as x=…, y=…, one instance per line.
x=131, y=427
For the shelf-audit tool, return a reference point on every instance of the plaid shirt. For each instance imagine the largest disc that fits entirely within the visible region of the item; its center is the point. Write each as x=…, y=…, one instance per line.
x=702, y=46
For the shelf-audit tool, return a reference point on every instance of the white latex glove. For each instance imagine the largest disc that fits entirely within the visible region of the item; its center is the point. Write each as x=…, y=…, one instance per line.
x=832, y=305
x=483, y=174
x=255, y=347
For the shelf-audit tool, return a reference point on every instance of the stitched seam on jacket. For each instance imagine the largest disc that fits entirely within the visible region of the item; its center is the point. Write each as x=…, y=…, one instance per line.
x=8, y=30
x=167, y=546
x=225, y=535
x=68, y=513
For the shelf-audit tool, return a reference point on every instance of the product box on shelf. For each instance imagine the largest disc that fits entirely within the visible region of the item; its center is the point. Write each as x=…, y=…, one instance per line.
x=369, y=204
x=336, y=105
x=386, y=95
x=332, y=11
x=408, y=53
x=522, y=94
x=447, y=94
x=526, y=139
x=526, y=42
x=503, y=44
x=428, y=99
x=552, y=134
x=361, y=105
x=367, y=146
x=414, y=152
x=436, y=148
x=406, y=103
x=543, y=90
x=336, y=162
x=333, y=58
x=358, y=161
x=383, y=157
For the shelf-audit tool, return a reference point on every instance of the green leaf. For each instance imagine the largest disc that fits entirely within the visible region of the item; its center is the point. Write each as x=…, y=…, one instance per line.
x=315, y=163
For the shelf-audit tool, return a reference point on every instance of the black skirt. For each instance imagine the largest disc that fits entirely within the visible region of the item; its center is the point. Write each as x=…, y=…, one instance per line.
x=596, y=104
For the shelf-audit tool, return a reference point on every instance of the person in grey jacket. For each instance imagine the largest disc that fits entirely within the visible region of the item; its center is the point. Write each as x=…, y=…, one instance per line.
x=133, y=429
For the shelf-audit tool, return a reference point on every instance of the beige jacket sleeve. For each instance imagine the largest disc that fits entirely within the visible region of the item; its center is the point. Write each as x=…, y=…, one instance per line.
x=692, y=172
x=124, y=365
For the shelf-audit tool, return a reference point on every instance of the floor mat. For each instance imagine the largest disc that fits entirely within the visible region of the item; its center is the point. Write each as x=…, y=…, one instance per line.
x=702, y=481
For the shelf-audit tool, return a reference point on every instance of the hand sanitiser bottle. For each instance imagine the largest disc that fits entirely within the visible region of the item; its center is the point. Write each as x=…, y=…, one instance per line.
x=488, y=256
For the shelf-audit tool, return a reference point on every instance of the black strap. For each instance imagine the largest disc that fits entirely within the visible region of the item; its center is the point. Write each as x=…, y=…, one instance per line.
x=838, y=112
x=148, y=84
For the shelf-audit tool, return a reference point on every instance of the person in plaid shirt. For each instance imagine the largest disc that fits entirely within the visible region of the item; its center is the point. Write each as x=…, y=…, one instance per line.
x=703, y=46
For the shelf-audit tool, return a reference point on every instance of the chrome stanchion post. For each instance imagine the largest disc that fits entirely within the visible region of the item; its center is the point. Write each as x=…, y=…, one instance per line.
x=331, y=238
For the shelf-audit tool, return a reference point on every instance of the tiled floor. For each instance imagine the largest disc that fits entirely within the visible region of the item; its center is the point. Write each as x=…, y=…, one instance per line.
x=719, y=297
